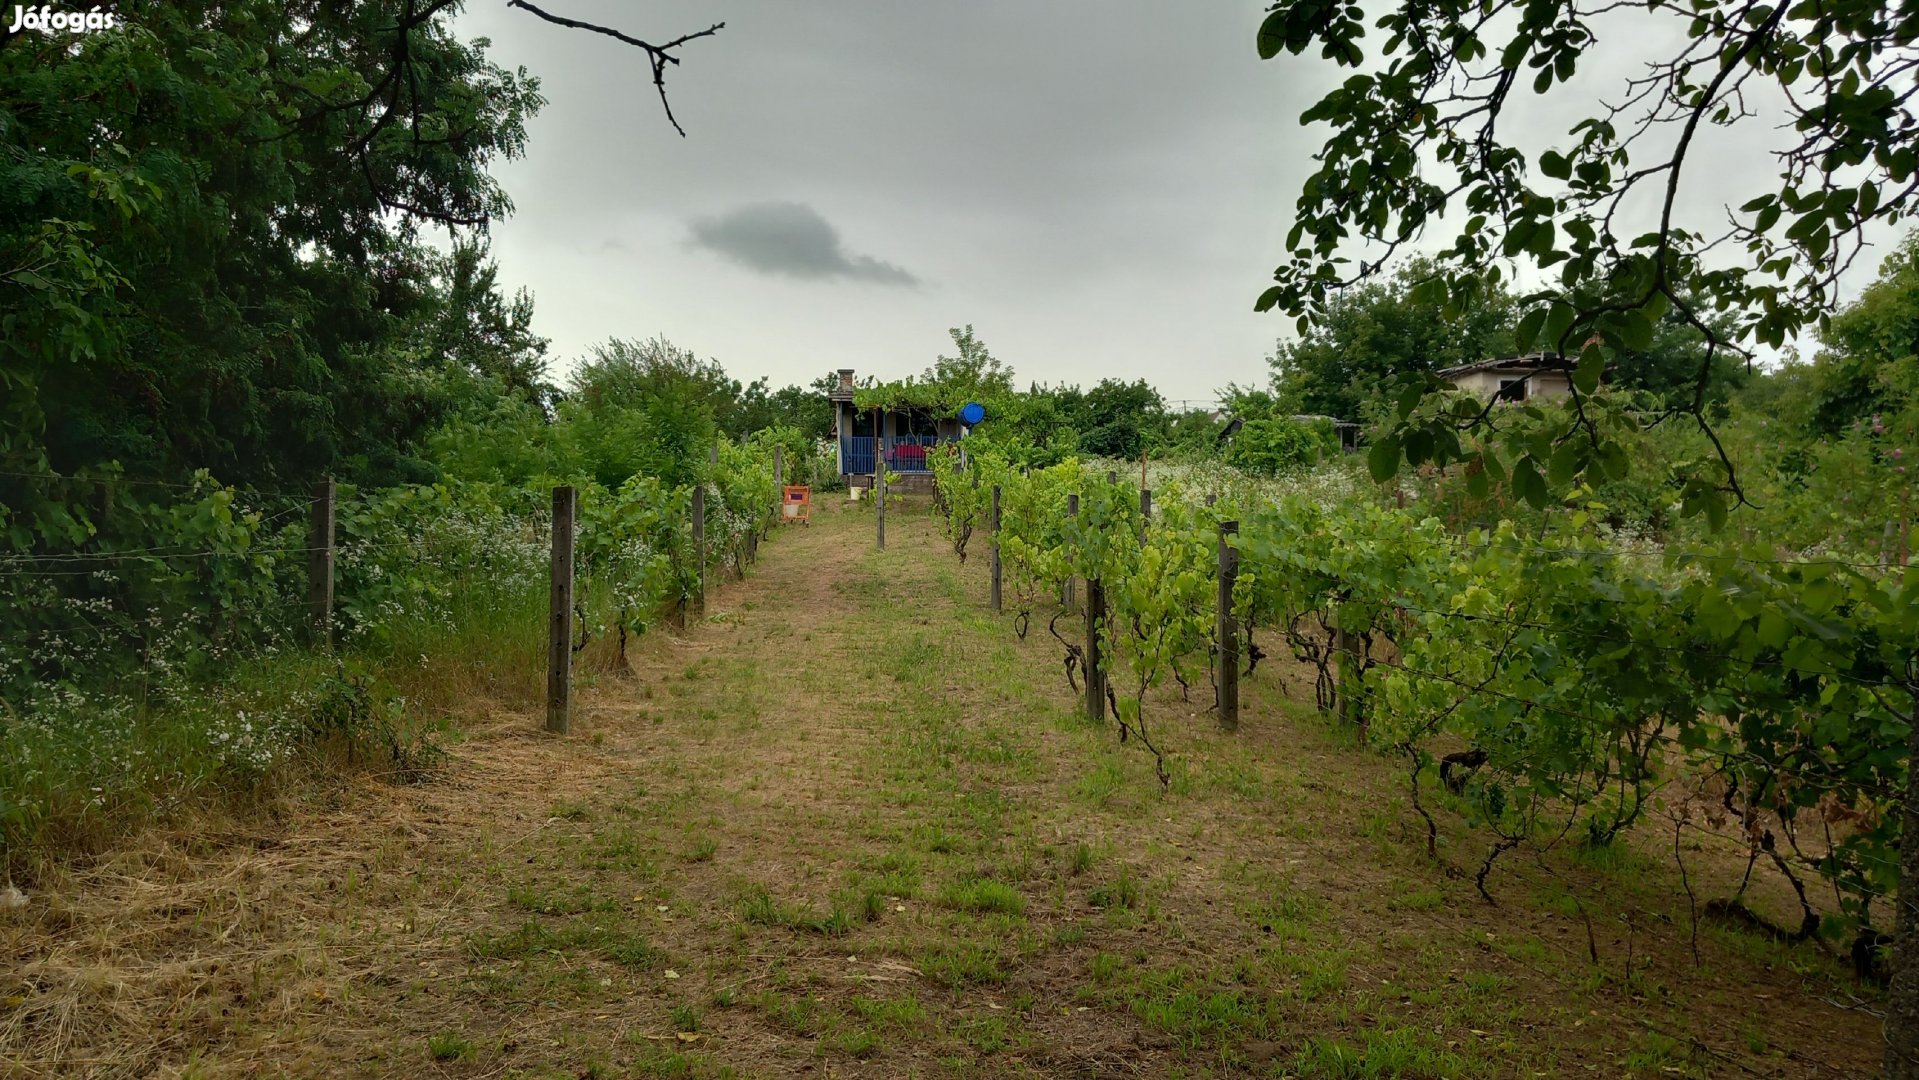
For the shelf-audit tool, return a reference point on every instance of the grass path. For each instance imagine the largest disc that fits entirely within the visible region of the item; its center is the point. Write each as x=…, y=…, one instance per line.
x=850, y=825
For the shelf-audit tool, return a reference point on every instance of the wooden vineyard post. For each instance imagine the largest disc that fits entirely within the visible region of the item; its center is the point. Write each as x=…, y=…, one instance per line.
x=994, y=554
x=1145, y=510
x=1095, y=618
x=1066, y=587
x=1095, y=670
x=879, y=501
x=1346, y=709
x=699, y=545
x=320, y=563
x=1211, y=499
x=1227, y=669
x=779, y=487
x=559, y=645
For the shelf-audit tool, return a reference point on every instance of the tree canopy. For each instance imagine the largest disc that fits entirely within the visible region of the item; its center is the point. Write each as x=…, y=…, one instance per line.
x=1372, y=333
x=1590, y=230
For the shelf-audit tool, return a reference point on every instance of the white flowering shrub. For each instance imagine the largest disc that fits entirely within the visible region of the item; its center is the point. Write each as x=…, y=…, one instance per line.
x=170, y=655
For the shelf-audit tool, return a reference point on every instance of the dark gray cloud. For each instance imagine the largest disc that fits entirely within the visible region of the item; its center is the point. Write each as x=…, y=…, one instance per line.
x=791, y=240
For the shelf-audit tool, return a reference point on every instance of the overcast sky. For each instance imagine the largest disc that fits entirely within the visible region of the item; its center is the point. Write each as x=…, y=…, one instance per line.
x=1098, y=187
x=1101, y=187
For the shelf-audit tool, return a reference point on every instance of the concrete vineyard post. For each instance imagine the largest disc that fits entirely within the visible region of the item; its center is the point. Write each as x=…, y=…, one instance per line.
x=1066, y=587
x=994, y=553
x=1227, y=668
x=559, y=645
x=699, y=545
x=320, y=563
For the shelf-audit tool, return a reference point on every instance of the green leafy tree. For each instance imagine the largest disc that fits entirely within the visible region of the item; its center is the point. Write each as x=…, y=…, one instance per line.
x=1274, y=447
x=1594, y=223
x=1119, y=419
x=645, y=408
x=1376, y=331
x=1672, y=363
x=807, y=411
x=974, y=374
x=1193, y=431
x=484, y=331
x=1858, y=373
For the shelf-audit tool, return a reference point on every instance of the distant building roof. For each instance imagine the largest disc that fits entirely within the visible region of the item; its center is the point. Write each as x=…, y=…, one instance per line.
x=1541, y=361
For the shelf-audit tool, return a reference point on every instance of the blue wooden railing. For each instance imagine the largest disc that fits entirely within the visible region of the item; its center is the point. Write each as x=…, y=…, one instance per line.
x=902, y=453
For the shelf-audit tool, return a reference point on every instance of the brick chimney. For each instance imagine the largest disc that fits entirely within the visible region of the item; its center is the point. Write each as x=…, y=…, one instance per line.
x=846, y=378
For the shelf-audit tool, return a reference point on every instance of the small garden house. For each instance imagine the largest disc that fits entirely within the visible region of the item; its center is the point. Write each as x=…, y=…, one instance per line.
x=1514, y=378
x=901, y=436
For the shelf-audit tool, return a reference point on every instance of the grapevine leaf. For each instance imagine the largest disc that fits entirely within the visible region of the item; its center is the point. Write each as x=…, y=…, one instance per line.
x=1383, y=459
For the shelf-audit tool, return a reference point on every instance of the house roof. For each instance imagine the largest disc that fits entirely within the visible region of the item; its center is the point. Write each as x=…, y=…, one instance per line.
x=1542, y=361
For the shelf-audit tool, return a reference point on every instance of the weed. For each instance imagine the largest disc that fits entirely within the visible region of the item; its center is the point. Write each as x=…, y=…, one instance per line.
x=759, y=908
x=533, y=938
x=573, y=900
x=983, y=895
x=1122, y=893
x=898, y=1013
x=1380, y=1055
x=937, y=841
x=1081, y=861
x=450, y=1047
x=1199, y=1019
x=801, y=1015
x=958, y=964
x=860, y=905
x=986, y=1034
x=858, y=1043
x=899, y=875
x=1654, y=1053
x=1418, y=900
x=1099, y=786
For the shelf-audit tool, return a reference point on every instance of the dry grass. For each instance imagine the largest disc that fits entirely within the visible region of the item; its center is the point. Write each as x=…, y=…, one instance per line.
x=848, y=825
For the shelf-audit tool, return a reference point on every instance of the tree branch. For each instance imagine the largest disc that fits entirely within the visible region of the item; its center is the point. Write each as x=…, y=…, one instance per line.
x=658, y=55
